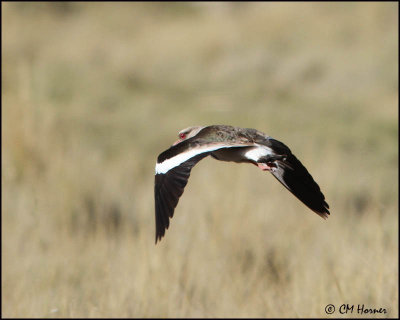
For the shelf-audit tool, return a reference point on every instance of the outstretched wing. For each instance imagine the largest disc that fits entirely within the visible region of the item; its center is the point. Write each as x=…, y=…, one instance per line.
x=168, y=188
x=172, y=173
x=295, y=177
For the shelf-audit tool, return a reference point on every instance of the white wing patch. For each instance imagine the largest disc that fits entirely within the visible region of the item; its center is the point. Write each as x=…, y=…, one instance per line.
x=258, y=152
x=168, y=164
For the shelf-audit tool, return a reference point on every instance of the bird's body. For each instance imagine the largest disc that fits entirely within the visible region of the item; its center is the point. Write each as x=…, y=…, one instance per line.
x=228, y=143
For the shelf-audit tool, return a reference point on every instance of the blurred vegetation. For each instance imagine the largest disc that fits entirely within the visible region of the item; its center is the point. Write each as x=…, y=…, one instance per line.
x=93, y=92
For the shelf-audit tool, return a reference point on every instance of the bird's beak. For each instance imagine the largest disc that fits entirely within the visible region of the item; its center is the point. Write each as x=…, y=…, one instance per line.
x=177, y=141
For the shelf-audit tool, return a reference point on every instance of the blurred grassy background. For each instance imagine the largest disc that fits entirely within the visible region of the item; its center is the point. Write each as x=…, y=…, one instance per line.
x=92, y=93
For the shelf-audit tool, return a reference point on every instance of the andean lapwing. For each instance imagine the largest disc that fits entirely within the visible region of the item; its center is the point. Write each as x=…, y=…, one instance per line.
x=227, y=143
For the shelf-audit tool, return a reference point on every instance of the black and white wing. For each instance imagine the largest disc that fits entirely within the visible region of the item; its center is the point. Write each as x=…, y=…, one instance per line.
x=172, y=173
x=168, y=188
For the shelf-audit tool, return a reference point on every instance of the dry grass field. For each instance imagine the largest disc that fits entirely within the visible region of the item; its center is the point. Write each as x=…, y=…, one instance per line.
x=92, y=93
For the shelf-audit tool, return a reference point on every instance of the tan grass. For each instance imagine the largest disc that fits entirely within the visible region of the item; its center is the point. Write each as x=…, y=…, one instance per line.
x=93, y=92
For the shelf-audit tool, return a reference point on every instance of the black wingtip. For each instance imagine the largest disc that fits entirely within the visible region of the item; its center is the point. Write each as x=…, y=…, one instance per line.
x=160, y=232
x=323, y=214
x=323, y=211
x=159, y=235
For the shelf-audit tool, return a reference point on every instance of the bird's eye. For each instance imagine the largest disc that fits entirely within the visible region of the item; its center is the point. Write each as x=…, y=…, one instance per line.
x=182, y=135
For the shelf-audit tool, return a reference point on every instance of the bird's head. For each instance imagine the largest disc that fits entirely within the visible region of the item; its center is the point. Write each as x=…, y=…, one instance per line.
x=188, y=133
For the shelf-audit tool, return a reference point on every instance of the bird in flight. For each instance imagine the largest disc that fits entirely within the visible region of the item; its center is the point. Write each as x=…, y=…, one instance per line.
x=228, y=143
